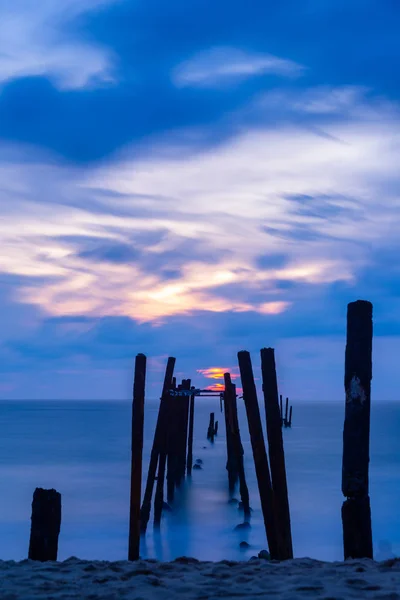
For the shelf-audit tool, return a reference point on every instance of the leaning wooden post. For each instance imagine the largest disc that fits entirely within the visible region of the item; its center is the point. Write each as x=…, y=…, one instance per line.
x=290, y=416
x=276, y=453
x=211, y=426
x=259, y=451
x=45, y=525
x=236, y=442
x=356, y=510
x=161, y=419
x=136, y=456
x=189, y=462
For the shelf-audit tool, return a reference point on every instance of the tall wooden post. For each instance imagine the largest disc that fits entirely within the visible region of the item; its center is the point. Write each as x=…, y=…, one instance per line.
x=286, y=411
x=172, y=449
x=236, y=442
x=276, y=453
x=186, y=400
x=136, y=456
x=290, y=416
x=45, y=525
x=281, y=408
x=155, y=451
x=356, y=510
x=190, y=436
x=231, y=465
x=259, y=451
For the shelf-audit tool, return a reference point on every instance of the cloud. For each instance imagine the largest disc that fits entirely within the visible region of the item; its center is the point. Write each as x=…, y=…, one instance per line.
x=37, y=39
x=220, y=66
x=269, y=216
x=218, y=372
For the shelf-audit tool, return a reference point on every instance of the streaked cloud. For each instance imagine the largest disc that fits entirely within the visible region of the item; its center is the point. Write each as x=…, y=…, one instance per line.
x=37, y=39
x=218, y=372
x=168, y=234
x=221, y=66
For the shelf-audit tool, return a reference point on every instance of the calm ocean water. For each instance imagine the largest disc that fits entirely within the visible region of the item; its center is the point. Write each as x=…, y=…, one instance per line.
x=83, y=450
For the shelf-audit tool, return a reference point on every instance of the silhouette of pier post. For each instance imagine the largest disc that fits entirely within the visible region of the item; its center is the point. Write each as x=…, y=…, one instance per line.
x=237, y=448
x=356, y=510
x=276, y=453
x=183, y=432
x=45, y=525
x=259, y=451
x=189, y=462
x=159, y=436
x=136, y=457
x=211, y=428
x=231, y=465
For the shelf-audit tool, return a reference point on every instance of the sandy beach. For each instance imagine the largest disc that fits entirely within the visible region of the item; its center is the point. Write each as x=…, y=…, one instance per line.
x=191, y=579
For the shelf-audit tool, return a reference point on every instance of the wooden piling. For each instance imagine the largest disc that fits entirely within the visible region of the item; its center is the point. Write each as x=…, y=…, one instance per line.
x=276, y=453
x=356, y=512
x=259, y=451
x=172, y=446
x=136, y=456
x=155, y=451
x=210, y=432
x=237, y=448
x=45, y=525
x=290, y=416
x=189, y=462
x=281, y=408
x=183, y=433
x=231, y=459
x=216, y=428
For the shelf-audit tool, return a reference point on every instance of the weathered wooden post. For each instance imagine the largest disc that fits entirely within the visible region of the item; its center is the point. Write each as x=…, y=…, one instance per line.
x=183, y=432
x=259, y=451
x=210, y=432
x=45, y=525
x=189, y=462
x=276, y=453
x=231, y=461
x=236, y=443
x=136, y=456
x=356, y=510
x=155, y=451
x=290, y=416
x=281, y=408
x=216, y=428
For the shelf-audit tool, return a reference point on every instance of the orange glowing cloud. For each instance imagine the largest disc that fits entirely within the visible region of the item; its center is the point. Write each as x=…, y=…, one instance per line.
x=218, y=372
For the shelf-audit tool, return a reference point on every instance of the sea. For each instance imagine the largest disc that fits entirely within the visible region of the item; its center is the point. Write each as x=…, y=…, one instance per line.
x=82, y=449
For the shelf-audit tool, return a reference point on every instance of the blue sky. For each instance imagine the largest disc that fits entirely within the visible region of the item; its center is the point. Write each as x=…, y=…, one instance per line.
x=195, y=179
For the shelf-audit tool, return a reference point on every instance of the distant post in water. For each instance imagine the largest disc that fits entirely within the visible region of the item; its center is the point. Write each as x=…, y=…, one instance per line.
x=281, y=408
x=276, y=453
x=259, y=451
x=356, y=510
x=211, y=428
x=136, y=458
x=45, y=525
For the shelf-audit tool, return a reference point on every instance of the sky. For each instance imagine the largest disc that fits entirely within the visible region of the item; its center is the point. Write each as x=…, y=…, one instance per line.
x=194, y=179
